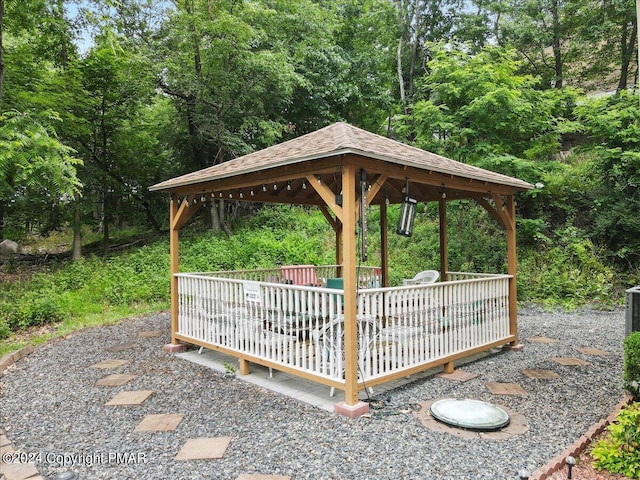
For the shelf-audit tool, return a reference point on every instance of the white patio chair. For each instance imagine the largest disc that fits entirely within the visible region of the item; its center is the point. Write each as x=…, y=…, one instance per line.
x=427, y=276
x=329, y=340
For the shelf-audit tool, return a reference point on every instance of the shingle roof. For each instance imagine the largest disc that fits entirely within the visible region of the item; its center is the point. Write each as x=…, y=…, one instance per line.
x=336, y=139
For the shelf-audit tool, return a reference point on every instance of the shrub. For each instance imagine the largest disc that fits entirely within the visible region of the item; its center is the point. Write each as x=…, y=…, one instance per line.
x=34, y=309
x=619, y=452
x=631, y=373
x=5, y=331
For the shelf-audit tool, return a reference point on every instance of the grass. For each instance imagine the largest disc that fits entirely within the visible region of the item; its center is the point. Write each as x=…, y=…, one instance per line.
x=38, y=335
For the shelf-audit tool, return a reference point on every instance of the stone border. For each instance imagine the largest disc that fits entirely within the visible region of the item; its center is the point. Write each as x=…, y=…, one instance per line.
x=558, y=462
x=11, y=358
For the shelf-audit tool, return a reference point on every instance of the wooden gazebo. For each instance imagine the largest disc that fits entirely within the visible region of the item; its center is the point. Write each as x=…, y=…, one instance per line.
x=376, y=333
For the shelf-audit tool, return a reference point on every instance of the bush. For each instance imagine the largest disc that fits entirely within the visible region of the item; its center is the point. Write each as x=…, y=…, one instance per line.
x=619, y=452
x=631, y=373
x=5, y=331
x=34, y=309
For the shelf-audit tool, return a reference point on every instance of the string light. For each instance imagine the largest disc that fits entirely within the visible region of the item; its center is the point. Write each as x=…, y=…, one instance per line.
x=275, y=186
x=304, y=185
x=264, y=188
x=252, y=191
x=289, y=185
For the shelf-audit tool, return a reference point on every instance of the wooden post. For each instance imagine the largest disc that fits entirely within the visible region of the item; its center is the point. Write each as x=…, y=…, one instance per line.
x=512, y=266
x=173, y=251
x=444, y=255
x=339, y=254
x=349, y=275
x=384, y=244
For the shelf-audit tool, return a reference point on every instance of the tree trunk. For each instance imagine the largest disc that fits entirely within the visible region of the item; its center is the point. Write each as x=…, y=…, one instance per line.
x=76, y=253
x=557, y=52
x=401, y=77
x=215, y=217
x=1, y=219
x=627, y=49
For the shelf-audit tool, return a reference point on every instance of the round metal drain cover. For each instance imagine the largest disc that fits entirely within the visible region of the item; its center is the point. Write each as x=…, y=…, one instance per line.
x=470, y=414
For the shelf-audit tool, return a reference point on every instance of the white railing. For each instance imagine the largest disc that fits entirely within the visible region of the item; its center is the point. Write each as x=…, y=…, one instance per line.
x=300, y=328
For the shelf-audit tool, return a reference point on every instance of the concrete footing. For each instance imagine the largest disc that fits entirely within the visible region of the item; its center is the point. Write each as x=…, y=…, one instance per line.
x=174, y=348
x=351, y=411
x=514, y=348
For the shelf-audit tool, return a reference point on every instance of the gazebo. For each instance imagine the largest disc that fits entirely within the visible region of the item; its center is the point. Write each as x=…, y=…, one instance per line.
x=343, y=325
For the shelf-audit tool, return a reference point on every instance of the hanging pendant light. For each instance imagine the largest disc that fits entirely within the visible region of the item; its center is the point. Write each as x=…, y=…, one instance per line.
x=407, y=213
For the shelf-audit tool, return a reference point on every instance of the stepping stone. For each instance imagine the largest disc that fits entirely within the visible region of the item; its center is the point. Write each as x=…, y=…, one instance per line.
x=151, y=334
x=505, y=389
x=543, y=340
x=115, y=380
x=569, y=361
x=134, y=397
x=593, y=351
x=253, y=476
x=4, y=441
x=540, y=374
x=120, y=347
x=19, y=471
x=203, y=448
x=162, y=422
x=458, y=375
x=109, y=364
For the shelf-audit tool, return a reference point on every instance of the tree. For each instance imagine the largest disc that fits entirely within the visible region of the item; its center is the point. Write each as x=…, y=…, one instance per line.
x=35, y=167
x=611, y=125
x=541, y=31
x=474, y=106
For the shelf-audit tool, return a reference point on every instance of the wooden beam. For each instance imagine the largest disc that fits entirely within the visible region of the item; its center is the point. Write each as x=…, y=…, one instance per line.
x=335, y=224
x=337, y=228
x=512, y=266
x=491, y=209
x=174, y=264
x=185, y=212
x=373, y=191
x=444, y=245
x=349, y=173
x=328, y=196
x=384, y=244
x=501, y=209
x=376, y=185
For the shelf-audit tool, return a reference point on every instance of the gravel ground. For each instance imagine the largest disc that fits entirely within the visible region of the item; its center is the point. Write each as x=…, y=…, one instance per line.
x=50, y=408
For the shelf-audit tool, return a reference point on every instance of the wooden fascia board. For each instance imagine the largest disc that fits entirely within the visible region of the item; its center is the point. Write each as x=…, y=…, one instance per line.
x=430, y=177
x=269, y=176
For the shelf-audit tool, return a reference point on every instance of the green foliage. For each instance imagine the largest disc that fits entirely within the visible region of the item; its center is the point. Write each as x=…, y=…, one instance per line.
x=613, y=127
x=631, y=373
x=5, y=329
x=473, y=106
x=34, y=309
x=619, y=452
x=34, y=163
x=567, y=273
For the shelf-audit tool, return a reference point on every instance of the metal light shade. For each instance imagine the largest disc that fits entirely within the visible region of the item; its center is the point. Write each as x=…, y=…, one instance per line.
x=407, y=215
